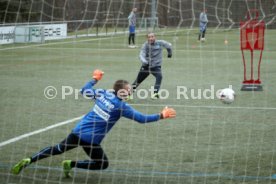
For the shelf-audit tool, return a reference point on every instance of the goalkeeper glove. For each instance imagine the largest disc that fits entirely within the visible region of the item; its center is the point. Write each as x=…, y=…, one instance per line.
x=168, y=113
x=169, y=55
x=97, y=74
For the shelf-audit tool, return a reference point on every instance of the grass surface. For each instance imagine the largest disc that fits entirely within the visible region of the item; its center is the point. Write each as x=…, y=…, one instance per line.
x=208, y=142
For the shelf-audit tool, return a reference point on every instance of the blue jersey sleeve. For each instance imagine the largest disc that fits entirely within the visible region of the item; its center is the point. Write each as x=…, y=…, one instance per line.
x=87, y=90
x=131, y=113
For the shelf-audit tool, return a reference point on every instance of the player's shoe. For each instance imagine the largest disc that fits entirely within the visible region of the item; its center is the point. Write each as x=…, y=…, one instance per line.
x=66, y=164
x=155, y=96
x=132, y=46
x=16, y=169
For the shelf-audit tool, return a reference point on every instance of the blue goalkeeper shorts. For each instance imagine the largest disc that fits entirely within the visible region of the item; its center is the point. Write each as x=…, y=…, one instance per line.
x=131, y=29
x=202, y=26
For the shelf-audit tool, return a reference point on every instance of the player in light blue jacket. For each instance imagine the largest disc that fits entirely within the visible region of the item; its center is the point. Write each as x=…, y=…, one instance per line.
x=203, y=21
x=132, y=27
x=109, y=107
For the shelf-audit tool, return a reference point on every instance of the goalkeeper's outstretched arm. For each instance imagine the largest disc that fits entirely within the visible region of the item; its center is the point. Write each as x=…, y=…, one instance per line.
x=135, y=115
x=88, y=90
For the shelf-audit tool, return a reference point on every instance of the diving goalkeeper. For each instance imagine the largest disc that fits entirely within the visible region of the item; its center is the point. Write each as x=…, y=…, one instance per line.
x=109, y=107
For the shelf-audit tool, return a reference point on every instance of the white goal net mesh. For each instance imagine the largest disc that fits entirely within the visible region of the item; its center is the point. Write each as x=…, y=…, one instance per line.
x=207, y=142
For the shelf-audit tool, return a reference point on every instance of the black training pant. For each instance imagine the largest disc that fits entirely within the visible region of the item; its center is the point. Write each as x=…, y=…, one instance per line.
x=202, y=35
x=98, y=158
x=144, y=72
x=131, y=37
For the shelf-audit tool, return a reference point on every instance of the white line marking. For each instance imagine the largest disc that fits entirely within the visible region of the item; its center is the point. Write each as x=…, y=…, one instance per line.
x=52, y=43
x=38, y=131
x=124, y=49
x=154, y=105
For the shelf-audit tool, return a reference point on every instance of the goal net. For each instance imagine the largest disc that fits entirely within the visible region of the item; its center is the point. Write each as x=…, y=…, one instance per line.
x=207, y=142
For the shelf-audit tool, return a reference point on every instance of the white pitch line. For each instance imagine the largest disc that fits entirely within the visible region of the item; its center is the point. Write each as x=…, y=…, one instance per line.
x=154, y=105
x=18, y=138
x=53, y=43
x=124, y=49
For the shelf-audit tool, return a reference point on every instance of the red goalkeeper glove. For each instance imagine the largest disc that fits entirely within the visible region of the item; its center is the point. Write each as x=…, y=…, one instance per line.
x=168, y=113
x=97, y=74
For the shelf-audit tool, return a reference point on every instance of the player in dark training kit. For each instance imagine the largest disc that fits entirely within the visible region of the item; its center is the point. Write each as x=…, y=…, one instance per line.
x=151, y=59
x=109, y=107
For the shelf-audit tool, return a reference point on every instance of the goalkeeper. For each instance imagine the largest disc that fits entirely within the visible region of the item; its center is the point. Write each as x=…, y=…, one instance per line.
x=151, y=58
x=109, y=107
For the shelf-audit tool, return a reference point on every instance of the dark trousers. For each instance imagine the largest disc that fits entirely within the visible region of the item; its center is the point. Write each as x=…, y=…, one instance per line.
x=131, y=37
x=98, y=158
x=202, y=34
x=144, y=72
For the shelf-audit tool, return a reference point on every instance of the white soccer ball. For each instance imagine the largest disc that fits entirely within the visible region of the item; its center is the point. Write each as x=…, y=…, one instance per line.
x=227, y=95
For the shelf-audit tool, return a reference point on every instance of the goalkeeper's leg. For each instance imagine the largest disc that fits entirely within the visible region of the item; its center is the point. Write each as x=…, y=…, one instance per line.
x=72, y=141
x=99, y=160
x=69, y=143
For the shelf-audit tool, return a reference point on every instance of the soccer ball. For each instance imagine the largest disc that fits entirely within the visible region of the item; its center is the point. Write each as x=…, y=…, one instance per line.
x=227, y=95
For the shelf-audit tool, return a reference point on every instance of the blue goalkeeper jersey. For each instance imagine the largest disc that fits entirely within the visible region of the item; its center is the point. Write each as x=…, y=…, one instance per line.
x=107, y=110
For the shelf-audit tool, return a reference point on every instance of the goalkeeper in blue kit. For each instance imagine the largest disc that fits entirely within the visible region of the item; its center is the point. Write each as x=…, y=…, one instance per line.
x=109, y=107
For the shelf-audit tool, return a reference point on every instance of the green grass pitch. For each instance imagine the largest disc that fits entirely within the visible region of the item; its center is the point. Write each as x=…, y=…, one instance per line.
x=208, y=141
